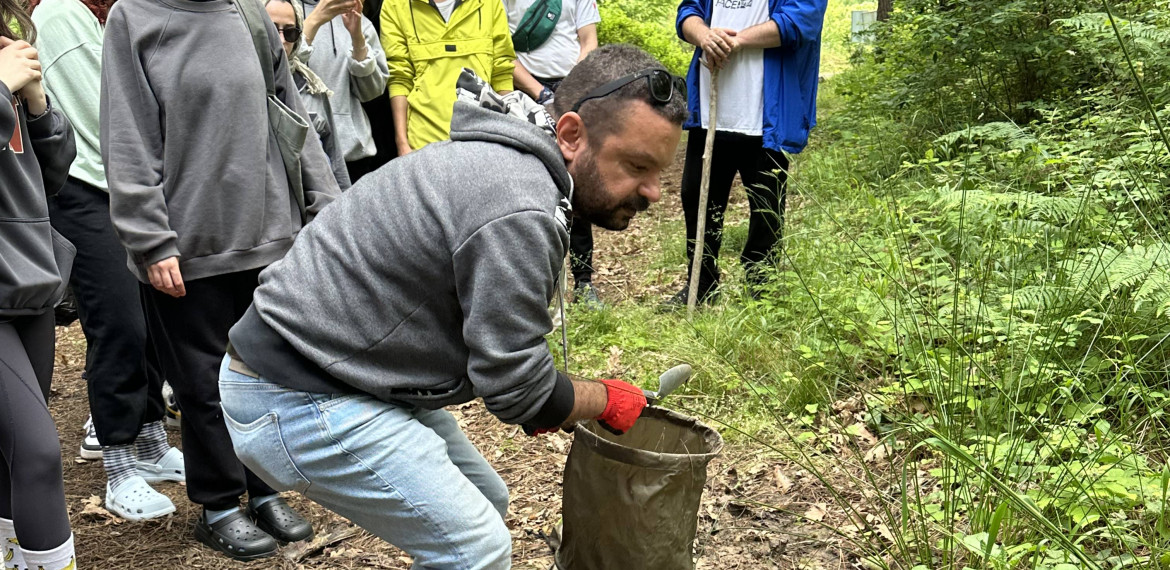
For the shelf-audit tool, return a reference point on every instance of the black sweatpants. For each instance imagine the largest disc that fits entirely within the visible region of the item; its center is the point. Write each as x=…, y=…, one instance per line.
x=382, y=120
x=125, y=386
x=32, y=490
x=190, y=334
x=764, y=173
x=581, y=251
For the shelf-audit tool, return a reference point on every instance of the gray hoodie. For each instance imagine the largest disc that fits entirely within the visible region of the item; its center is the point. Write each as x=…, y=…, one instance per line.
x=353, y=82
x=193, y=168
x=35, y=154
x=429, y=285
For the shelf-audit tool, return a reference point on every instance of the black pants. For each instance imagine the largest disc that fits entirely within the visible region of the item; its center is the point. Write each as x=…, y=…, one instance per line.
x=191, y=335
x=32, y=490
x=580, y=231
x=581, y=251
x=382, y=120
x=125, y=387
x=764, y=173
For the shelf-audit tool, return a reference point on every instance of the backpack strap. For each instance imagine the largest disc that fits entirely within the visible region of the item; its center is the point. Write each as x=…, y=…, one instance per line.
x=250, y=13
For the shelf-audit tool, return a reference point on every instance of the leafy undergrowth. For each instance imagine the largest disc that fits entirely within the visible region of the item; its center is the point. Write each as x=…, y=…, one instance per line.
x=964, y=343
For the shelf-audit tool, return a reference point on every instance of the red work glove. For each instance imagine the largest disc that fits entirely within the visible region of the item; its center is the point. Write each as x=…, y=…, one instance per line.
x=625, y=403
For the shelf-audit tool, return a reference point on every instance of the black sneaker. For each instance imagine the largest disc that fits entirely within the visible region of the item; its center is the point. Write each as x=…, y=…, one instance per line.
x=277, y=518
x=65, y=313
x=678, y=301
x=90, y=449
x=585, y=294
x=236, y=536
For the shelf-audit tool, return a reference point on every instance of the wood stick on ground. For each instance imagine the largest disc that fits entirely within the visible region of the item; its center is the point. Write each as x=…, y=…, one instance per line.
x=321, y=543
x=701, y=213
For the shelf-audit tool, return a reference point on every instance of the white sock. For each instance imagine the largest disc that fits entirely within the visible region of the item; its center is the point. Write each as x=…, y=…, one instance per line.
x=60, y=558
x=9, y=548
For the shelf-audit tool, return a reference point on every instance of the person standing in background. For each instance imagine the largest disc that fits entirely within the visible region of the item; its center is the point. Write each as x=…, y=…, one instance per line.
x=768, y=55
x=428, y=43
x=342, y=47
x=125, y=391
x=289, y=18
x=550, y=37
x=202, y=202
x=34, y=269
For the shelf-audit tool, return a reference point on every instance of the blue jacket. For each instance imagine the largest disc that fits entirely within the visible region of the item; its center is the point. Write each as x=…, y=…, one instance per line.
x=791, y=71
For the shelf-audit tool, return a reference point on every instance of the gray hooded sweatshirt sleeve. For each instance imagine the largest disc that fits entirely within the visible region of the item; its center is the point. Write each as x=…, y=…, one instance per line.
x=193, y=169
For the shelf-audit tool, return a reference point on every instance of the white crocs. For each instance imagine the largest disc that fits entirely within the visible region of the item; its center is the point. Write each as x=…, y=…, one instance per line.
x=168, y=468
x=135, y=500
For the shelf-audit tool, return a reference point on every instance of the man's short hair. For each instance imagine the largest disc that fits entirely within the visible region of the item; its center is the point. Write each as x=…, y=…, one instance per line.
x=602, y=116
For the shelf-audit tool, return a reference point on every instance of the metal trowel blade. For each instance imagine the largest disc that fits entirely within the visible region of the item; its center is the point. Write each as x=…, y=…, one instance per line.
x=669, y=382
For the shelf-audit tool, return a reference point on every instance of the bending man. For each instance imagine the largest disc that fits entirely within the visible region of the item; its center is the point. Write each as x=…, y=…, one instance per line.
x=373, y=322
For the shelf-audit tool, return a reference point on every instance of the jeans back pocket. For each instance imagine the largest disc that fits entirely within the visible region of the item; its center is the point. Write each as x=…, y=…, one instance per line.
x=261, y=448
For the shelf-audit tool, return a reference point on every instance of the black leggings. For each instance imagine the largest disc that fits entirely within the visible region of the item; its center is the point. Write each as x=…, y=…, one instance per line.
x=32, y=491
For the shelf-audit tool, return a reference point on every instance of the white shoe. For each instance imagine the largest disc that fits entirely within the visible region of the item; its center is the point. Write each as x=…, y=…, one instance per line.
x=135, y=500
x=90, y=448
x=168, y=468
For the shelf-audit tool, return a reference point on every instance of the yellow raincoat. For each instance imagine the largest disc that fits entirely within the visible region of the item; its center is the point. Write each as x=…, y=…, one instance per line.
x=426, y=55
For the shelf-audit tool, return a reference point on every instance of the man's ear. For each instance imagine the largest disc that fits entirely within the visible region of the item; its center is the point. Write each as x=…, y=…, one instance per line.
x=570, y=135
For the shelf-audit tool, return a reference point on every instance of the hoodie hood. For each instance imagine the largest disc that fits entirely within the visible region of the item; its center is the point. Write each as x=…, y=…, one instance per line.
x=514, y=120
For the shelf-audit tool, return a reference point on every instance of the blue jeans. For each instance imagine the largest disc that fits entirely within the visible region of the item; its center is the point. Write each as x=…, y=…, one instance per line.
x=408, y=475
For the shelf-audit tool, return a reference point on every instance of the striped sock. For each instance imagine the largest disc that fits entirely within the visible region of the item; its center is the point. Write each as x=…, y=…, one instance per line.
x=119, y=462
x=152, y=442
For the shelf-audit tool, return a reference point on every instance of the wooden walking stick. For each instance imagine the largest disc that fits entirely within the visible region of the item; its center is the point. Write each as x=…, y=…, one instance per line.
x=701, y=228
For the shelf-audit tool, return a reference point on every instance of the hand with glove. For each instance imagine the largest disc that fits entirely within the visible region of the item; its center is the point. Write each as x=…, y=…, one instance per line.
x=616, y=405
x=624, y=404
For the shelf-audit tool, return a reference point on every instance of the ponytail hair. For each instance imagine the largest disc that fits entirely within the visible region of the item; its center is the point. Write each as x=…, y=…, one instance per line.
x=15, y=23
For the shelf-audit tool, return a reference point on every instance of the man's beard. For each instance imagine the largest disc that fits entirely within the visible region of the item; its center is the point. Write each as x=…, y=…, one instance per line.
x=589, y=197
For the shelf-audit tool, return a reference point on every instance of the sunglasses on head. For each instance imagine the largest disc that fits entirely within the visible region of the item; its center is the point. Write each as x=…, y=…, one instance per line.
x=291, y=33
x=662, y=86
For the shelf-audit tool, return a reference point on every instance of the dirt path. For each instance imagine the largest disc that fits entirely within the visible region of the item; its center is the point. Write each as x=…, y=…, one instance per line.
x=734, y=533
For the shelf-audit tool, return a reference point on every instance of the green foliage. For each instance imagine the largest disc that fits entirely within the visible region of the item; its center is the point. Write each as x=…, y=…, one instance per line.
x=647, y=25
x=976, y=270
x=961, y=59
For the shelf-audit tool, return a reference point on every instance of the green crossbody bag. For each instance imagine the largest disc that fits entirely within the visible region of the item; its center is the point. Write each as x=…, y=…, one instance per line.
x=537, y=25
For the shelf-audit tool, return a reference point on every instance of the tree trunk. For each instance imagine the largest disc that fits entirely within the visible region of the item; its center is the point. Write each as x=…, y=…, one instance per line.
x=883, y=9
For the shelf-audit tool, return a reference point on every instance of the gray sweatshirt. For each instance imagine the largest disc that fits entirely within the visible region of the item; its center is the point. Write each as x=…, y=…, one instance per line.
x=427, y=285
x=353, y=82
x=192, y=166
x=35, y=153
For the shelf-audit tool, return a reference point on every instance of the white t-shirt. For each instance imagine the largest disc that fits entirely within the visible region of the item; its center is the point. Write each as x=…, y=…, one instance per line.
x=741, y=81
x=556, y=57
x=445, y=8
